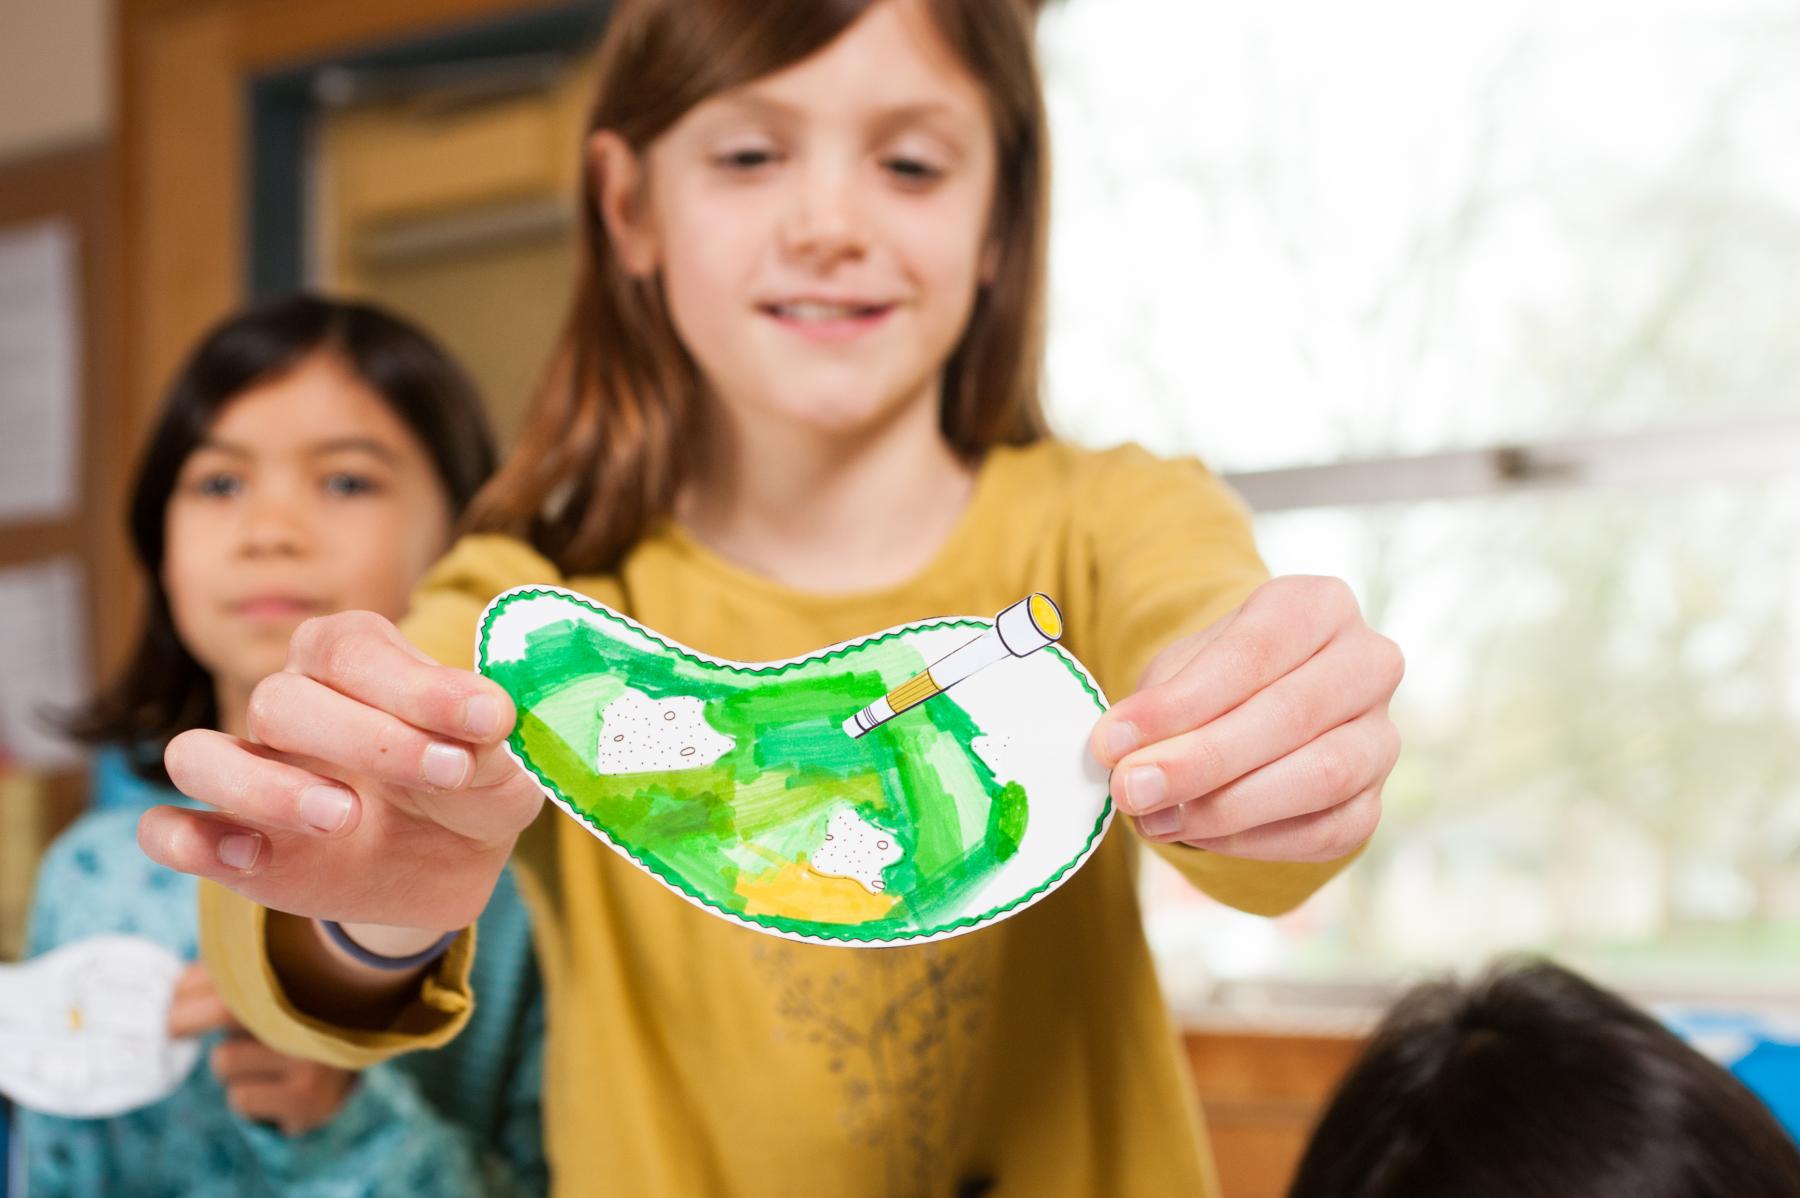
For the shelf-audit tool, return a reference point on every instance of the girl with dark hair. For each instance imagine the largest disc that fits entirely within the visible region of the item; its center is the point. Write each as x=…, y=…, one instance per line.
x=1533, y=1082
x=797, y=401
x=311, y=457
x=173, y=681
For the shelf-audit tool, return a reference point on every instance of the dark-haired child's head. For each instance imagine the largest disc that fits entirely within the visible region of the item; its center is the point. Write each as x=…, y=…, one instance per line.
x=1534, y=1083
x=311, y=456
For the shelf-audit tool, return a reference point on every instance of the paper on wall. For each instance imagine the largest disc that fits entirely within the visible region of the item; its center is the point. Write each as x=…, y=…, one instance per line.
x=40, y=381
x=44, y=646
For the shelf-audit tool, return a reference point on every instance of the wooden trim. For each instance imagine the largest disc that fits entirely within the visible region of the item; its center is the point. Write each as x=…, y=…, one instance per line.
x=185, y=68
x=1261, y=1093
x=290, y=31
x=184, y=122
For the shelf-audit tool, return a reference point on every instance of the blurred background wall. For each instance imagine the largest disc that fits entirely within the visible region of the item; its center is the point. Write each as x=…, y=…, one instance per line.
x=56, y=75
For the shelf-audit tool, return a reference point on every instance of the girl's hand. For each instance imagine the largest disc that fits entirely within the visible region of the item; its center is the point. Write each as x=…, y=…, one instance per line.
x=295, y=1096
x=375, y=786
x=1265, y=735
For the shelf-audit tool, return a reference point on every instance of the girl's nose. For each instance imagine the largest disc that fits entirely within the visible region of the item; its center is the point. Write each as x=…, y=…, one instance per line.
x=824, y=225
x=272, y=530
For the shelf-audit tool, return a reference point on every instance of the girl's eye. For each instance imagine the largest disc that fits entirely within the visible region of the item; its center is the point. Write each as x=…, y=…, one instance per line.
x=747, y=159
x=345, y=485
x=219, y=485
x=912, y=170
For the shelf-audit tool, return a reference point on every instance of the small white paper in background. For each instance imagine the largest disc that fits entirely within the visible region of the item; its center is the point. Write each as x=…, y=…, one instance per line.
x=44, y=647
x=40, y=381
x=83, y=1028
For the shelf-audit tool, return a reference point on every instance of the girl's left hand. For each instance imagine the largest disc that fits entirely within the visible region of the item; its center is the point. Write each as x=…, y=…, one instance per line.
x=294, y=1096
x=1265, y=735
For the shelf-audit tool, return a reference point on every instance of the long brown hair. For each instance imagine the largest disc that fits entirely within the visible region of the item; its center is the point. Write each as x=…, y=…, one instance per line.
x=604, y=449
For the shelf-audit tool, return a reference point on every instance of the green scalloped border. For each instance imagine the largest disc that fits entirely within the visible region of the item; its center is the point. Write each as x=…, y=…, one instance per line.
x=515, y=745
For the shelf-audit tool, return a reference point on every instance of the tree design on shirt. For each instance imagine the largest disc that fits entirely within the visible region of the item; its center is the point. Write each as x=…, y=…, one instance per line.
x=903, y=1031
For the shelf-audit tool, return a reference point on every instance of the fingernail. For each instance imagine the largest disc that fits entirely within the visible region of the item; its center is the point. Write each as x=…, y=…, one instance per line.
x=1145, y=788
x=446, y=766
x=1121, y=738
x=481, y=716
x=239, y=851
x=326, y=808
x=1162, y=822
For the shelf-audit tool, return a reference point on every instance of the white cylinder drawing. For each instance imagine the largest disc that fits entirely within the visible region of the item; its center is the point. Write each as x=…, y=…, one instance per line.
x=1021, y=629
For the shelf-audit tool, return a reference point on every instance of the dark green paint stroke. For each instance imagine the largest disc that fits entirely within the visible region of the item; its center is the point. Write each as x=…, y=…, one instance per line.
x=1007, y=819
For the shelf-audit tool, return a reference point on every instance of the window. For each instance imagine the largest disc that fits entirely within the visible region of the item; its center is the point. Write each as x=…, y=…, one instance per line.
x=1496, y=313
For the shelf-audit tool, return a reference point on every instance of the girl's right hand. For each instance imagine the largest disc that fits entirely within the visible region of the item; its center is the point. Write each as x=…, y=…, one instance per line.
x=375, y=786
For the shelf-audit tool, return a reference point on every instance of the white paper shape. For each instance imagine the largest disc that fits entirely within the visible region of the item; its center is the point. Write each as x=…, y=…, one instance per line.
x=998, y=802
x=641, y=735
x=83, y=1028
x=855, y=848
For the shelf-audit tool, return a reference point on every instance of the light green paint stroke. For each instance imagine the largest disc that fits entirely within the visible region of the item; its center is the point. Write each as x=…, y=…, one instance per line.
x=574, y=712
x=969, y=795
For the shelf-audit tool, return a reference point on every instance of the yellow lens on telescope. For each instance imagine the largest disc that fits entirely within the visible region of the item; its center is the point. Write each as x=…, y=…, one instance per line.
x=1045, y=616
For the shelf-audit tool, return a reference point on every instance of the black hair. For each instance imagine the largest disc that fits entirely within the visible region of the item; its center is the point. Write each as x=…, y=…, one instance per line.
x=1535, y=1083
x=163, y=691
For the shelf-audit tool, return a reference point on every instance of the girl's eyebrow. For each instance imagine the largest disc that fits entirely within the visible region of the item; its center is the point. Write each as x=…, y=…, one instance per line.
x=352, y=444
x=225, y=447
x=317, y=449
x=926, y=112
x=885, y=120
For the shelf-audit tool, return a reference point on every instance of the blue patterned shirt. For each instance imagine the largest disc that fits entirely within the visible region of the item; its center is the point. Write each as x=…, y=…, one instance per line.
x=455, y=1123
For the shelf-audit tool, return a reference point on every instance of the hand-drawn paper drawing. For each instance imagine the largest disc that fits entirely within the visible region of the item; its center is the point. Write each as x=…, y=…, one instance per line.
x=82, y=1028
x=907, y=786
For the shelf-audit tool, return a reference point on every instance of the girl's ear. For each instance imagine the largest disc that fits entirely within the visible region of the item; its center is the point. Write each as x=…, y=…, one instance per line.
x=619, y=179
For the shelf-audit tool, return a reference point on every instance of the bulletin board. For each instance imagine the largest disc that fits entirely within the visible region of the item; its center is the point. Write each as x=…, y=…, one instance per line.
x=80, y=543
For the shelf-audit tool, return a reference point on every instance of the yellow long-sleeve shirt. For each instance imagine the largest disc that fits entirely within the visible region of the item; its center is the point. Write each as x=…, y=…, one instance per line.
x=690, y=1057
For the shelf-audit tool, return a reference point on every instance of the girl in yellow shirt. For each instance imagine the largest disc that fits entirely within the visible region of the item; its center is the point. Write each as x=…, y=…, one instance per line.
x=797, y=402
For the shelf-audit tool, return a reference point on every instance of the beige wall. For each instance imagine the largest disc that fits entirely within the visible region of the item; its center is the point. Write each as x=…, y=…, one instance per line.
x=55, y=74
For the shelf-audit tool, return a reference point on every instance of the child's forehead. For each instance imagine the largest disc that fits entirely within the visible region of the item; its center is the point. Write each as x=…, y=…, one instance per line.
x=895, y=110
x=891, y=63
x=315, y=406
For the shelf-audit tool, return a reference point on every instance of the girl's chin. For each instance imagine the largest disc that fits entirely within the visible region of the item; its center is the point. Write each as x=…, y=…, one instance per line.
x=828, y=412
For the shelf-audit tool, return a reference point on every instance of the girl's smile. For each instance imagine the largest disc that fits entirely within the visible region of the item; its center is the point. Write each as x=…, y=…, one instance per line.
x=276, y=607
x=828, y=320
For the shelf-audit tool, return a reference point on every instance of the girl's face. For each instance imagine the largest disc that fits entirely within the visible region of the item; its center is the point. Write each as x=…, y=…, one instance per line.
x=821, y=232
x=307, y=496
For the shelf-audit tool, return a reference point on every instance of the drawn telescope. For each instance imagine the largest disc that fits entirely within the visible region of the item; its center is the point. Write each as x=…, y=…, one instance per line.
x=1021, y=629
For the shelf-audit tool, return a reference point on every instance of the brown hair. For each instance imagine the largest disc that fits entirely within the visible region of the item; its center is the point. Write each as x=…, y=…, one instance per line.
x=603, y=449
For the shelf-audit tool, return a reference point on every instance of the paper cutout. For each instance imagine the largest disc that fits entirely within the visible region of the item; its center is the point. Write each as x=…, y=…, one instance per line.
x=83, y=1028
x=960, y=811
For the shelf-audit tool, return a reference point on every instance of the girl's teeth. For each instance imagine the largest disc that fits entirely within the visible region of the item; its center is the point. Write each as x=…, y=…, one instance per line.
x=819, y=312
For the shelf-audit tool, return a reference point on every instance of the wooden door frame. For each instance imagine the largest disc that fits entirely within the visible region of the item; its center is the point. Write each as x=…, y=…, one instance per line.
x=185, y=72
